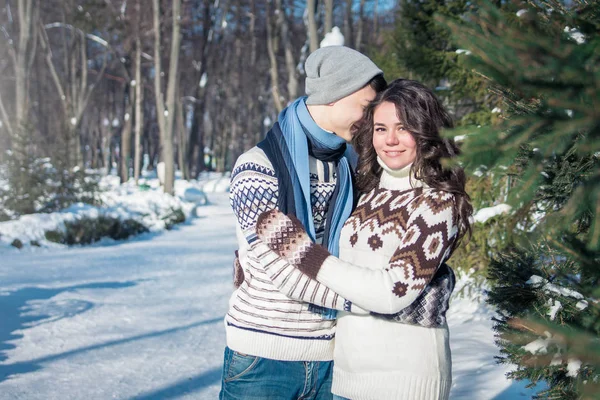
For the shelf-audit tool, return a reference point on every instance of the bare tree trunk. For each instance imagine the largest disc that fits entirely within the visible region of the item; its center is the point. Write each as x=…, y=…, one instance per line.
x=290, y=62
x=74, y=92
x=109, y=150
x=271, y=49
x=26, y=53
x=139, y=101
x=328, y=16
x=156, y=150
x=224, y=142
x=171, y=91
x=252, y=33
x=212, y=155
x=22, y=59
x=375, y=22
x=105, y=134
x=359, y=33
x=74, y=137
x=125, y=154
x=182, y=139
x=196, y=145
x=166, y=114
x=211, y=24
x=96, y=150
x=348, y=24
x=312, y=25
x=158, y=94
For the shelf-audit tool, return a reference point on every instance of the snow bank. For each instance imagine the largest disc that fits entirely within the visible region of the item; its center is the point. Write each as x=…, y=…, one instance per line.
x=146, y=204
x=475, y=374
x=214, y=182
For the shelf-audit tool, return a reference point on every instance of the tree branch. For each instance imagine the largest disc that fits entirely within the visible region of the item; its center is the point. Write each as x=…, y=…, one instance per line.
x=46, y=47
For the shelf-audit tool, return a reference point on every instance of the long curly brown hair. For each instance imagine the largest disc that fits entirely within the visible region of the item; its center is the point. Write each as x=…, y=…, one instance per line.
x=423, y=115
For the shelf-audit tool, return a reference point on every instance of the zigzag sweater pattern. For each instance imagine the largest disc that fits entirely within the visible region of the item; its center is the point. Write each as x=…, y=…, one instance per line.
x=409, y=227
x=392, y=253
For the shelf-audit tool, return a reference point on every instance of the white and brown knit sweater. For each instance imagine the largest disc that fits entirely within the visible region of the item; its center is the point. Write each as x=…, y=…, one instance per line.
x=261, y=320
x=391, y=251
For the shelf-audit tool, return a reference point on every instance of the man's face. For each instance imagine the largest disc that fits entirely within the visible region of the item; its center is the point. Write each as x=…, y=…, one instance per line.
x=392, y=142
x=347, y=111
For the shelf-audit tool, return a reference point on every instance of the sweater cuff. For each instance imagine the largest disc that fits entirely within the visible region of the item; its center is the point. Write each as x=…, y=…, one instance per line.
x=313, y=260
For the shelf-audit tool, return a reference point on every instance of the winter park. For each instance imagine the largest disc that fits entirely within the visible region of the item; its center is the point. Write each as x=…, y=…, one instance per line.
x=364, y=199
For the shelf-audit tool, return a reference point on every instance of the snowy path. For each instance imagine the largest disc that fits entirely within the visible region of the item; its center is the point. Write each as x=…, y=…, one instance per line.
x=142, y=319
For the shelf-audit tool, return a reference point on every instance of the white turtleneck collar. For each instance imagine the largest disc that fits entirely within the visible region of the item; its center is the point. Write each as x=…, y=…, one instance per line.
x=397, y=179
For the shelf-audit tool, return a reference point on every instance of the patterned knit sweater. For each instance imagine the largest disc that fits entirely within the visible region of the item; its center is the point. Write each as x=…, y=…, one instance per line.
x=392, y=251
x=261, y=320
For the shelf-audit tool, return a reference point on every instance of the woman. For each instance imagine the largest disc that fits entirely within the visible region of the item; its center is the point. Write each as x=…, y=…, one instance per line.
x=390, y=279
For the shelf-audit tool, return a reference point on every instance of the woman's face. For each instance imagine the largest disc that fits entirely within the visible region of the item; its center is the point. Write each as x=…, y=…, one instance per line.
x=393, y=144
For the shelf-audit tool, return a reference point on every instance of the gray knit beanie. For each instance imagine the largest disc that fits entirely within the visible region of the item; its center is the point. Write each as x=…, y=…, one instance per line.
x=334, y=72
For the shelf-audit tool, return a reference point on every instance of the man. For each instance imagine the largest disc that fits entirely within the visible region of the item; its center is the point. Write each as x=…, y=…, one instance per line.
x=279, y=347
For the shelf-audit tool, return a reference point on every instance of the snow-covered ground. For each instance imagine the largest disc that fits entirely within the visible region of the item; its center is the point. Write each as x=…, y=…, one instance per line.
x=146, y=204
x=474, y=370
x=143, y=318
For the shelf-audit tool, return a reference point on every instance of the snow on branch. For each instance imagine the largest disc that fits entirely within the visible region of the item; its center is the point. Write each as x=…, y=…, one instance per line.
x=489, y=212
x=90, y=36
x=548, y=287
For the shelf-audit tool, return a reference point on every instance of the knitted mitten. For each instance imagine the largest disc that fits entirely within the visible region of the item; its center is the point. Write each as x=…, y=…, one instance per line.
x=285, y=235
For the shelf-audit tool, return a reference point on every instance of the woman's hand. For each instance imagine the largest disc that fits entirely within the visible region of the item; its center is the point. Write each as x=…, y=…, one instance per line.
x=286, y=236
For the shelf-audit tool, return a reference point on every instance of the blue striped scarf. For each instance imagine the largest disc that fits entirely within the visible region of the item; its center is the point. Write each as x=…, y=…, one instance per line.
x=288, y=145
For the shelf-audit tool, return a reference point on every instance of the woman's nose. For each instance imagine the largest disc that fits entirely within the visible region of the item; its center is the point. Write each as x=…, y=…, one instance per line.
x=391, y=139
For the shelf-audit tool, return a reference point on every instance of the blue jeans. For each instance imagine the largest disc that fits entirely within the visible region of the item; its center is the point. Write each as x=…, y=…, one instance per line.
x=256, y=378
